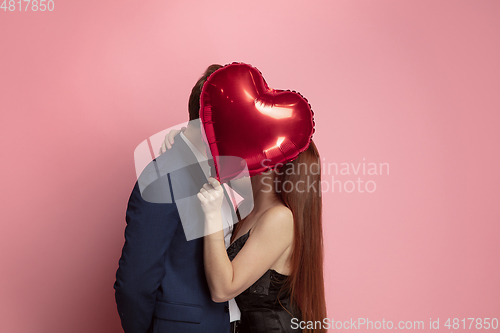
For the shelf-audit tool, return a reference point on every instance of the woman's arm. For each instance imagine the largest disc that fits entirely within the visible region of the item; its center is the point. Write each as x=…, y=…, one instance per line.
x=271, y=236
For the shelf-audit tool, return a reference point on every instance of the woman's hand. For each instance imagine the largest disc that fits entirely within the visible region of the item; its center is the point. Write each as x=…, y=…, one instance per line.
x=210, y=197
x=169, y=139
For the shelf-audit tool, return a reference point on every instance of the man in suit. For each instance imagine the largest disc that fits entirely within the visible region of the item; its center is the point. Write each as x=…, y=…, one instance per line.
x=160, y=284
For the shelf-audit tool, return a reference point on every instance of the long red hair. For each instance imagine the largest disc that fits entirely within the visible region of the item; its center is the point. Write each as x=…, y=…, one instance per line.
x=298, y=184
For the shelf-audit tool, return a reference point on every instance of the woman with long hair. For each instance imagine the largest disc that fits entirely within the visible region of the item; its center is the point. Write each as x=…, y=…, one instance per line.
x=274, y=265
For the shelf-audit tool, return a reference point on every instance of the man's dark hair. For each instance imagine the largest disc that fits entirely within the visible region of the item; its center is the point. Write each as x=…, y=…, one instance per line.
x=194, y=98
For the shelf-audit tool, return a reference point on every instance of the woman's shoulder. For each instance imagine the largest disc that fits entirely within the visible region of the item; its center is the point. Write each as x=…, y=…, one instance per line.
x=278, y=218
x=280, y=212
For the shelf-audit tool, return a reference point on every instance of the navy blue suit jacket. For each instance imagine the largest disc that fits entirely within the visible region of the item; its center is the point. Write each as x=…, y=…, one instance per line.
x=160, y=283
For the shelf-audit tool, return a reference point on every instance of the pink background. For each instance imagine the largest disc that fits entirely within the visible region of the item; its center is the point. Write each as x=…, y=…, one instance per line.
x=410, y=83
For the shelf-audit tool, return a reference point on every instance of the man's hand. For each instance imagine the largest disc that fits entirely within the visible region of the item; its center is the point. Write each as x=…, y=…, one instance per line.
x=169, y=140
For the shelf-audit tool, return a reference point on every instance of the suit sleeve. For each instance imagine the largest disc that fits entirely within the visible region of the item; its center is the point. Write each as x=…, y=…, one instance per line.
x=148, y=234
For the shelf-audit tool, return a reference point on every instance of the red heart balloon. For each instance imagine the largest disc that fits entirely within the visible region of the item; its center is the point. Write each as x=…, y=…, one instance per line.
x=244, y=118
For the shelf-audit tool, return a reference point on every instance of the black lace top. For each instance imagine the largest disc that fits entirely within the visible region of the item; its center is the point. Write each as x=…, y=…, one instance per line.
x=264, y=307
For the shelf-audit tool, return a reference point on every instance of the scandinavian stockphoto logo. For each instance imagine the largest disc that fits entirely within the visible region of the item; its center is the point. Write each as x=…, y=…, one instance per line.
x=353, y=177
x=359, y=177
x=177, y=175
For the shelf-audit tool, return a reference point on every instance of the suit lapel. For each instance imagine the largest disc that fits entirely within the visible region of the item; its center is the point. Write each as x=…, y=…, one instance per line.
x=192, y=164
x=196, y=171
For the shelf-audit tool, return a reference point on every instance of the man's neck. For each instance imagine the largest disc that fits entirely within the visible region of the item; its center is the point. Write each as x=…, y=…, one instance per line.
x=193, y=134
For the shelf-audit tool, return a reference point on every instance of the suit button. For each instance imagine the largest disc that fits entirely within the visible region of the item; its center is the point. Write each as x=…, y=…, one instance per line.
x=226, y=308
